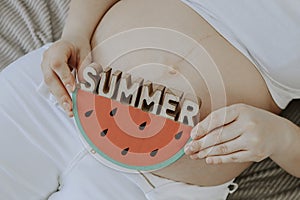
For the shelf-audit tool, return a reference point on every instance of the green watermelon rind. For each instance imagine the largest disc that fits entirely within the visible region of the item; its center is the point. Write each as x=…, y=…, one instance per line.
x=161, y=165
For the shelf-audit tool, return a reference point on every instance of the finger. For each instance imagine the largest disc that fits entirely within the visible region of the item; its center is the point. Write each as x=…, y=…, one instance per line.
x=85, y=57
x=63, y=72
x=221, y=149
x=58, y=90
x=215, y=137
x=85, y=60
x=214, y=120
x=221, y=135
x=237, y=157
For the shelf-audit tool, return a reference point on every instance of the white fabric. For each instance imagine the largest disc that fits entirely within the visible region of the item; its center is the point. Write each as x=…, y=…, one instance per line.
x=167, y=189
x=42, y=157
x=267, y=32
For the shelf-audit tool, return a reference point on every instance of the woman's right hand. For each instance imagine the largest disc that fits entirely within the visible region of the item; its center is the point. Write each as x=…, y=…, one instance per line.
x=58, y=63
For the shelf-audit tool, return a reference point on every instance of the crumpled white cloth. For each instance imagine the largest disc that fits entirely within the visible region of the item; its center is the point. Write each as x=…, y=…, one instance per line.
x=267, y=32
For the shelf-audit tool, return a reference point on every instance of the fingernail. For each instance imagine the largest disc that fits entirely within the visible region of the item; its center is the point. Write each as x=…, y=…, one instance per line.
x=70, y=88
x=193, y=146
x=201, y=154
x=70, y=114
x=186, y=148
x=190, y=148
x=209, y=161
x=195, y=133
x=66, y=106
x=193, y=157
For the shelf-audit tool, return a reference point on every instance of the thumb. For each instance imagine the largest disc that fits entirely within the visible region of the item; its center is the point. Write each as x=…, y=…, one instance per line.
x=85, y=58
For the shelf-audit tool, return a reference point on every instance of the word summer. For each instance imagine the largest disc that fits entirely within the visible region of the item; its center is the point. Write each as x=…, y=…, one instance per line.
x=145, y=95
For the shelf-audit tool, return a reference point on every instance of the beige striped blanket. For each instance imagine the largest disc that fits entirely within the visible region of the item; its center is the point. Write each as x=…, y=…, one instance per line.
x=28, y=24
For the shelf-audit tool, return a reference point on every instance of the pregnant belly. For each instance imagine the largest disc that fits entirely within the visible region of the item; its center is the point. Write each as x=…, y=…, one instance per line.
x=166, y=42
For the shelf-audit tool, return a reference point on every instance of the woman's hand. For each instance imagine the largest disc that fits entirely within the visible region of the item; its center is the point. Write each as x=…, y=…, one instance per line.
x=238, y=133
x=58, y=63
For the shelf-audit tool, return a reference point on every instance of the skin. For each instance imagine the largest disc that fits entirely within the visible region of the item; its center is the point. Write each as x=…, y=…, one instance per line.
x=72, y=51
x=242, y=133
x=233, y=67
x=128, y=15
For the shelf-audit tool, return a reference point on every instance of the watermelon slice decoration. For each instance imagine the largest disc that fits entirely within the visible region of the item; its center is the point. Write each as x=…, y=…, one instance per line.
x=127, y=138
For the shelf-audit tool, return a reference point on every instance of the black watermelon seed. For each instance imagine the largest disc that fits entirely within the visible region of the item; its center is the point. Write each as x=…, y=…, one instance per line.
x=178, y=135
x=142, y=126
x=154, y=152
x=88, y=113
x=113, y=112
x=104, y=132
x=125, y=151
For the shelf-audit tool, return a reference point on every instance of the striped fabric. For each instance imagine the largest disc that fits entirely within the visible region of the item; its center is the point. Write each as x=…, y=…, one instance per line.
x=266, y=180
x=28, y=24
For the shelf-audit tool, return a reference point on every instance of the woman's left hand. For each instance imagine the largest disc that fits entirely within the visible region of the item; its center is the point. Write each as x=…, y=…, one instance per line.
x=237, y=133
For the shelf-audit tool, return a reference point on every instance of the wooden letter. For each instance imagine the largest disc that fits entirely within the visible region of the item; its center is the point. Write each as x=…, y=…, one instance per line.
x=150, y=97
x=128, y=90
x=170, y=107
x=108, y=85
x=91, y=78
x=189, y=113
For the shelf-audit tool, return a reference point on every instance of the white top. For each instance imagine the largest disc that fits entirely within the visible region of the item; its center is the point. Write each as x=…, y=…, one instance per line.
x=267, y=32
